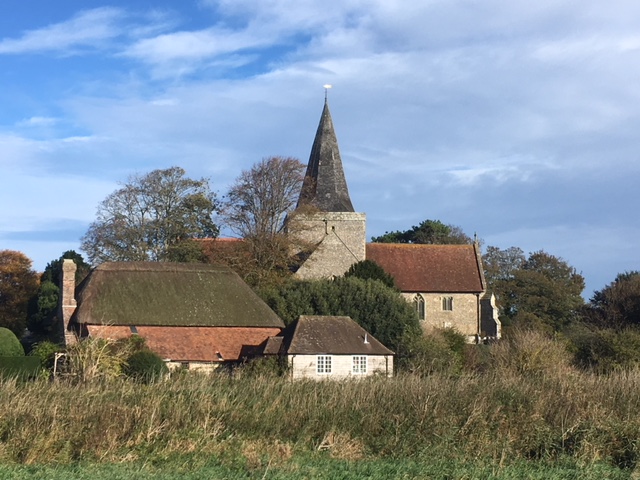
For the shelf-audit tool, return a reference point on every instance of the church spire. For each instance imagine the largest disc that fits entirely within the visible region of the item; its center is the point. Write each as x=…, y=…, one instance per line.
x=324, y=184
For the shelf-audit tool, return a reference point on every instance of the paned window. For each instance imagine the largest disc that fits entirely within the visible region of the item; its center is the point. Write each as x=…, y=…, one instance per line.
x=323, y=364
x=359, y=365
x=418, y=303
x=447, y=303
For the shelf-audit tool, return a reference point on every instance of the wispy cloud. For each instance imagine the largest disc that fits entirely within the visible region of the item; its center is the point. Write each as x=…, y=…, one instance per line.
x=90, y=28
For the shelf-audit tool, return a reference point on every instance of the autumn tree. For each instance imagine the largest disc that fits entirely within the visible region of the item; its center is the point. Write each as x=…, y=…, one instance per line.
x=256, y=208
x=148, y=215
x=427, y=232
x=18, y=283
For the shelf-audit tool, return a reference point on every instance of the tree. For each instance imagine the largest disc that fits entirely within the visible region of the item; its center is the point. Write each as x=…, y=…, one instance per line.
x=377, y=308
x=148, y=215
x=428, y=232
x=18, y=283
x=370, y=270
x=618, y=304
x=499, y=265
x=543, y=293
x=260, y=199
x=256, y=208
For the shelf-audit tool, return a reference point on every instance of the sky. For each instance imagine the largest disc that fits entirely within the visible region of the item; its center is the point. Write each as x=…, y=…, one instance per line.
x=516, y=121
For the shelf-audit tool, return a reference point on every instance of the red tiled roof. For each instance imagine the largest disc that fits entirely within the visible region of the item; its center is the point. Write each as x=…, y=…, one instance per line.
x=429, y=268
x=199, y=344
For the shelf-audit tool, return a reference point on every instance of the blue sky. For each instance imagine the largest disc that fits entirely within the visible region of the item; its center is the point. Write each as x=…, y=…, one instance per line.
x=517, y=121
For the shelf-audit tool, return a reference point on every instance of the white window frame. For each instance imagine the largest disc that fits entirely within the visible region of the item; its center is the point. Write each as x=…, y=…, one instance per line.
x=447, y=304
x=359, y=364
x=324, y=364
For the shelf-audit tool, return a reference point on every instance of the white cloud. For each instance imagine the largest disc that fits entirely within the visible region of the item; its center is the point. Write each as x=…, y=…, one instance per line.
x=89, y=28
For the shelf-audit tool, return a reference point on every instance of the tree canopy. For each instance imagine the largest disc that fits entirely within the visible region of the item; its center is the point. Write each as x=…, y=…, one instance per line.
x=258, y=202
x=370, y=270
x=256, y=208
x=377, y=308
x=18, y=283
x=148, y=215
x=617, y=305
x=428, y=232
x=543, y=292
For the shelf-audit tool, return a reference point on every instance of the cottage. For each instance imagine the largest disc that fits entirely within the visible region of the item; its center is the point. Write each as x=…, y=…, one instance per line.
x=193, y=315
x=330, y=347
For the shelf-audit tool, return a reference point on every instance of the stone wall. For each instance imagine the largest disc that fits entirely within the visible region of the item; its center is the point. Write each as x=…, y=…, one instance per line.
x=463, y=317
x=338, y=240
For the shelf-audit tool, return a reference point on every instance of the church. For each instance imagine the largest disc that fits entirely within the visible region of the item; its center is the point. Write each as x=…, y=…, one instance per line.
x=445, y=283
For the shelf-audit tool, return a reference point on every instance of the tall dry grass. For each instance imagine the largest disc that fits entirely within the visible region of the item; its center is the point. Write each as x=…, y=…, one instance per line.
x=518, y=410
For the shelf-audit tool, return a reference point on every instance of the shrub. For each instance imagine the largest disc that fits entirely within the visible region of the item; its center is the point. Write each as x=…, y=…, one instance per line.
x=145, y=366
x=604, y=350
x=21, y=367
x=10, y=346
x=435, y=352
x=45, y=351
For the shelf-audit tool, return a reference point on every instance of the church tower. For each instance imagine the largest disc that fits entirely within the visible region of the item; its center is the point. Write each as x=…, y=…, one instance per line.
x=325, y=218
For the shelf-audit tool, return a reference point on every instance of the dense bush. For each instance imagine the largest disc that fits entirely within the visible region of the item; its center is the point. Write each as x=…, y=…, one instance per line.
x=145, y=365
x=377, y=308
x=10, y=346
x=604, y=350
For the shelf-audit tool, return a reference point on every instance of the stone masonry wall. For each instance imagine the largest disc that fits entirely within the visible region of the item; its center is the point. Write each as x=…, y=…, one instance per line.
x=67, y=299
x=340, y=238
x=463, y=317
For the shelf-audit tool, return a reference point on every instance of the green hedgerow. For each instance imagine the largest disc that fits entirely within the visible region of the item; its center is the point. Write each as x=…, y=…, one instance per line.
x=10, y=346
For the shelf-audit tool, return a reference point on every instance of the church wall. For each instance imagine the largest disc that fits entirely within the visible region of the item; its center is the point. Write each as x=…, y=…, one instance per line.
x=339, y=239
x=463, y=316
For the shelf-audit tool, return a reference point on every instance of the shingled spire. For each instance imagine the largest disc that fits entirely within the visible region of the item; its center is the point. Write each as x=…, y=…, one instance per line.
x=324, y=184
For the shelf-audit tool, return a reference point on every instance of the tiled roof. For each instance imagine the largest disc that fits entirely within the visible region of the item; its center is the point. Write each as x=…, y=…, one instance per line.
x=430, y=268
x=338, y=335
x=170, y=294
x=196, y=344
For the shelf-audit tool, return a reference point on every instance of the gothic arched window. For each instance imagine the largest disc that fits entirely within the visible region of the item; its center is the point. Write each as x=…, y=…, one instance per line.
x=419, y=305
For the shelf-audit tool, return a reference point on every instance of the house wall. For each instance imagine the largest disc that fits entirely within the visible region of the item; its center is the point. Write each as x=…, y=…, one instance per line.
x=304, y=366
x=340, y=238
x=463, y=317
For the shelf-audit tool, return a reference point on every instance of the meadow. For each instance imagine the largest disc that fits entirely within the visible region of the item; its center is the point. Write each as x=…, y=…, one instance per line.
x=529, y=416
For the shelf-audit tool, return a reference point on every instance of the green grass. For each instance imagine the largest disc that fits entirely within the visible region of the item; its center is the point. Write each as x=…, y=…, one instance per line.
x=319, y=467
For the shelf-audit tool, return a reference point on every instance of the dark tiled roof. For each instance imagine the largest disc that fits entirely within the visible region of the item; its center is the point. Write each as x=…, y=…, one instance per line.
x=430, y=268
x=170, y=294
x=325, y=186
x=196, y=344
x=317, y=334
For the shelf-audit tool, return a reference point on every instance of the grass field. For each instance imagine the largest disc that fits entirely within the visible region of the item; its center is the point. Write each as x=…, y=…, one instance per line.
x=318, y=467
x=529, y=416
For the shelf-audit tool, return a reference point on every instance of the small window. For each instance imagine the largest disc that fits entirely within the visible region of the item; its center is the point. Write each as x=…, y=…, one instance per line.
x=359, y=365
x=447, y=303
x=418, y=303
x=323, y=364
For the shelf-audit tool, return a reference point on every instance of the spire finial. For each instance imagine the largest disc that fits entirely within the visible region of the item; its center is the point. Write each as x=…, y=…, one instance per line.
x=326, y=90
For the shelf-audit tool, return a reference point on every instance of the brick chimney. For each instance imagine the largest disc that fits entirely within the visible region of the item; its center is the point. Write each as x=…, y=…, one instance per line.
x=68, y=299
